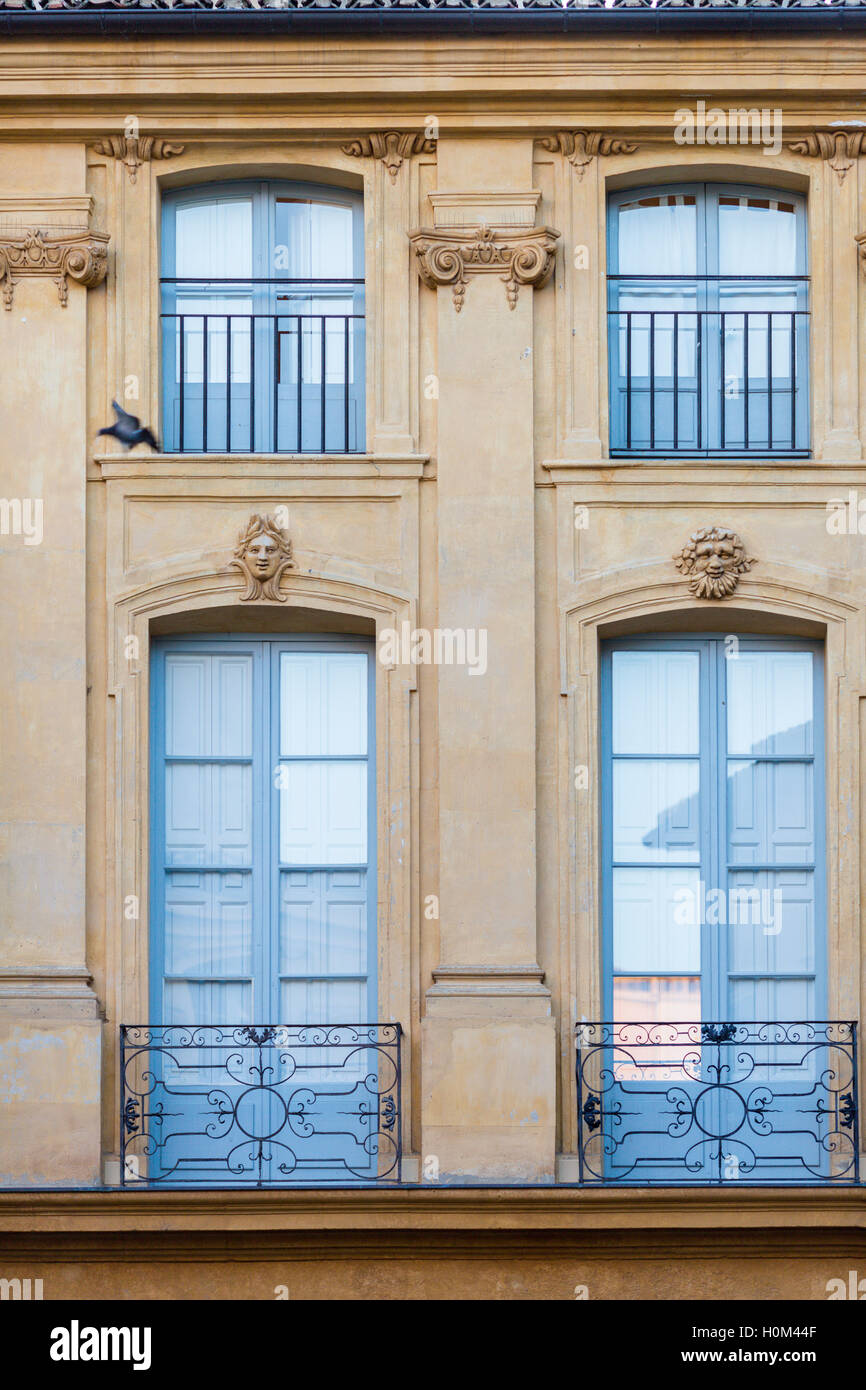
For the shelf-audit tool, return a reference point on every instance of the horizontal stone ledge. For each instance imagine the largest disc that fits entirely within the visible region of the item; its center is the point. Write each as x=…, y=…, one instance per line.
x=487, y=981
x=778, y=1216
x=275, y=467
x=50, y=993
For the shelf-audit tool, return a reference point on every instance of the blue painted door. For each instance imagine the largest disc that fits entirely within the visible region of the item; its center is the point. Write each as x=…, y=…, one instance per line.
x=262, y=906
x=713, y=908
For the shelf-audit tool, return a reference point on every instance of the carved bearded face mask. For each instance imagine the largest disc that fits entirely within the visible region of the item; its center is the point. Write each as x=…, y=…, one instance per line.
x=714, y=559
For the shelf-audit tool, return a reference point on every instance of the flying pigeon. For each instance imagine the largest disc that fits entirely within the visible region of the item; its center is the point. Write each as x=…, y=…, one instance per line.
x=129, y=429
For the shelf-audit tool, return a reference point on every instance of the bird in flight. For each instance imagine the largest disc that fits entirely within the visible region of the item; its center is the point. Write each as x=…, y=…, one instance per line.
x=129, y=429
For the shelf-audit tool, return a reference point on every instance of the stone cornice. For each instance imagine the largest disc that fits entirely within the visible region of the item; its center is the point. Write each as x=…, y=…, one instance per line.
x=581, y=147
x=135, y=150
x=391, y=146
x=80, y=255
x=839, y=148
x=414, y=1208
x=452, y=256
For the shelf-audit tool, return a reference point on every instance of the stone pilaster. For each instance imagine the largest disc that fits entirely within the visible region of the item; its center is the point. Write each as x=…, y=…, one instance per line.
x=488, y=1085
x=49, y=1027
x=391, y=196
x=835, y=196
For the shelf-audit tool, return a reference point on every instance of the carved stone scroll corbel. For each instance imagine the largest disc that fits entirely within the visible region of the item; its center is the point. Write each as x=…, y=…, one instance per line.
x=452, y=257
x=581, y=147
x=838, y=147
x=391, y=146
x=81, y=256
x=135, y=150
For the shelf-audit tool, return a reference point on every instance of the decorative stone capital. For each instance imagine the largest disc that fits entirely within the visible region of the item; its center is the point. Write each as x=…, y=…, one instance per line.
x=713, y=559
x=262, y=555
x=391, y=146
x=839, y=147
x=78, y=255
x=135, y=150
x=450, y=257
x=580, y=147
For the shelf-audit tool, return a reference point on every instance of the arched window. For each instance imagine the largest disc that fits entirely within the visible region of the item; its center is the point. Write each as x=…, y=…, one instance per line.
x=708, y=321
x=263, y=319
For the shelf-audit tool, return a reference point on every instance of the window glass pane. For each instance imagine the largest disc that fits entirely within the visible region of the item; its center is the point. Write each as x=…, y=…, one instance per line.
x=769, y=703
x=757, y=235
x=224, y=315
x=771, y=813
x=658, y=235
x=191, y=1001
x=208, y=924
x=654, y=999
x=323, y=813
x=655, y=810
x=313, y=240
x=208, y=814
x=771, y=923
x=323, y=703
x=657, y=920
x=778, y=1000
x=323, y=922
x=214, y=239
x=331, y=1002
x=655, y=701
x=208, y=705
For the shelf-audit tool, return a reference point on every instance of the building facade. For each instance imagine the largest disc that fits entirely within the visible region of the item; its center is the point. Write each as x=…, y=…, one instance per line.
x=431, y=779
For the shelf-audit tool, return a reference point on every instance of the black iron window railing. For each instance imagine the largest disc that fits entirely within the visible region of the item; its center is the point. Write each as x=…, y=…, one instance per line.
x=260, y=1106
x=717, y=1103
x=709, y=381
x=264, y=366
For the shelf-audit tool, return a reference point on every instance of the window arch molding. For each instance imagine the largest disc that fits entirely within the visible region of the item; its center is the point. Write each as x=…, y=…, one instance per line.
x=781, y=599
x=180, y=604
x=750, y=169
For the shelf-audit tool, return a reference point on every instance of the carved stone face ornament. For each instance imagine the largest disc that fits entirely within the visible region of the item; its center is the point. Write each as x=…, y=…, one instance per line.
x=714, y=558
x=263, y=552
x=262, y=557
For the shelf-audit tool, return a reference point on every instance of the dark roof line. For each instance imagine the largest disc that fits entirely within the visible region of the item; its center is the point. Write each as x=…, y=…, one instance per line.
x=151, y=18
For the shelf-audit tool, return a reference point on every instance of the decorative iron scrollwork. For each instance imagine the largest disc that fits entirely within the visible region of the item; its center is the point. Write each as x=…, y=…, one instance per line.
x=705, y=1103
x=718, y=1032
x=592, y=1113
x=130, y=1116
x=260, y=1105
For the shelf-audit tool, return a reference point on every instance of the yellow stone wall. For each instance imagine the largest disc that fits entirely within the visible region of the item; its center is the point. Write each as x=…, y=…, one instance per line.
x=487, y=428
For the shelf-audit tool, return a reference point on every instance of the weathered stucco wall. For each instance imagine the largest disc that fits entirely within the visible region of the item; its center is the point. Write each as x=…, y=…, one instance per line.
x=487, y=430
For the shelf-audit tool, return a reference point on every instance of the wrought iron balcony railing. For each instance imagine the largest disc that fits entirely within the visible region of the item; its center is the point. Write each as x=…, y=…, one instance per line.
x=239, y=382
x=709, y=382
x=260, y=1106
x=674, y=1104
